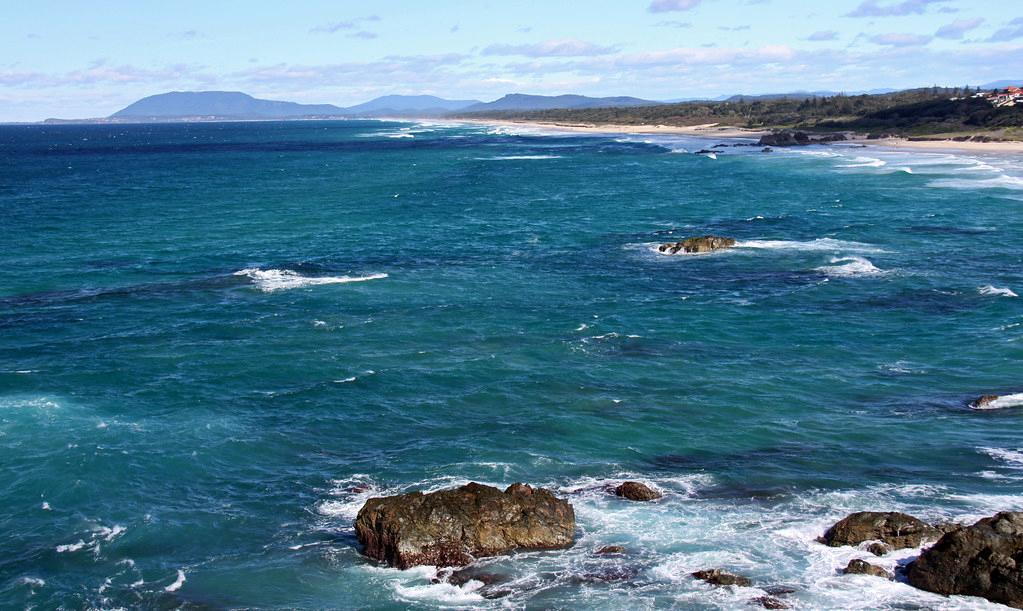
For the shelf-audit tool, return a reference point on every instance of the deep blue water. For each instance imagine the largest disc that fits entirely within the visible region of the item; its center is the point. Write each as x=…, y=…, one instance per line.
x=213, y=336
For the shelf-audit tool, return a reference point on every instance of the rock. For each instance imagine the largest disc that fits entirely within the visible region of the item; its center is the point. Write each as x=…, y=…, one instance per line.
x=636, y=491
x=704, y=152
x=862, y=567
x=720, y=577
x=779, y=590
x=770, y=602
x=896, y=529
x=796, y=138
x=767, y=149
x=610, y=549
x=453, y=527
x=878, y=549
x=984, y=560
x=997, y=401
x=707, y=243
x=464, y=576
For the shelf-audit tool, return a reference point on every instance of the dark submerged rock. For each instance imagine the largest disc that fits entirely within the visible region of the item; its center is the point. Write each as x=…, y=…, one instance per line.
x=453, y=527
x=721, y=577
x=610, y=549
x=985, y=559
x=862, y=567
x=898, y=530
x=707, y=243
x=636, y=491
x=770, y=602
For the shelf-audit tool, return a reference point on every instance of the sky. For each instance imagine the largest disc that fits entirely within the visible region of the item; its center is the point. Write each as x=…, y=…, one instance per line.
x=75, y=59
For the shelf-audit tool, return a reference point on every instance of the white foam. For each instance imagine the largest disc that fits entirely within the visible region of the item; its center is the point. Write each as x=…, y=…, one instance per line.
x=1003, y=402
x=270, y=280
x=1014, y=458
x=998, y=182
x=820, y=244
x=995, y=291
x=71, y=547
x=32, y=582
x=864, y=162
x=46, y=506
x=517, y=157
x=180, y=581
x=849, y=267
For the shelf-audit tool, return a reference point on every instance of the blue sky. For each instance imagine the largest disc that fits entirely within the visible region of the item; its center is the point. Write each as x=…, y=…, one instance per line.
x=68, y=58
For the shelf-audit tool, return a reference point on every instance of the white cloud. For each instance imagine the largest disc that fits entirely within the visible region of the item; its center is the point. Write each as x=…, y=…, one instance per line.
x=823, y=35
x=872, y=8
x=1012, y=31
x=664, y=6
x=900, y=40
x=958, y=28
x=550, y=48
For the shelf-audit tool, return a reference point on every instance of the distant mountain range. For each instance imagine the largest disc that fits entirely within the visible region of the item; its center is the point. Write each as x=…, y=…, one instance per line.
x=207, y=105
x=182, y=105
x=223, y=104
x=521, y=101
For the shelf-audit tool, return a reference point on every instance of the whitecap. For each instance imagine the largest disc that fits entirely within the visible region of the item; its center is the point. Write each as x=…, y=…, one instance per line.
x=71, y=547
x=32, y=582
x=1002, y=402
x=864, y=162
x=517, y=157
x=995, y=291
x=819, y=244
x=1014, y=458
x=847, y=267
x=271, y=280
x=999, y=182
x=180, y=581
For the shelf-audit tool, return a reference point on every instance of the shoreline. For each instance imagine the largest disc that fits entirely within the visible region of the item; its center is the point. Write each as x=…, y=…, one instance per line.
x=715, y=130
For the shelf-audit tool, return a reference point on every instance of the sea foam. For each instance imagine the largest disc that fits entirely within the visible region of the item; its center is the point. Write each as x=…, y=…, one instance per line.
x=994, y=291
x=270, y=280
x=847, y=267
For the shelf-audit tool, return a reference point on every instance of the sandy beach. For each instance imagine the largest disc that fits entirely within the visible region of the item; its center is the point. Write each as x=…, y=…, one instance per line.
x=715, y=130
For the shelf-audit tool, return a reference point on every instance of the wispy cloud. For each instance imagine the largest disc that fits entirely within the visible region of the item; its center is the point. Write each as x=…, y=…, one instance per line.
x=1012, y=31
x=664, y=6
x=674, y=23
x=551, y=48
x=823, y=35
x=340, y=26
x=734, y=28
x=958, y=28
x=873, y=8
x=900, y=40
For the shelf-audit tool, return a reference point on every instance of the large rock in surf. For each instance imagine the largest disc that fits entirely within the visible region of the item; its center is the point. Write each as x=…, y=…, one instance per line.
x=707, y=243
x=984, y=560
x=721, y=577
x=453, y=527
x=997, y=401
x=862, y=567
x=898, y=530
x=636, y=491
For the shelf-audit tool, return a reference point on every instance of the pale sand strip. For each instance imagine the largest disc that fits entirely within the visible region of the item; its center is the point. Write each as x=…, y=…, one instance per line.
x=714, y=130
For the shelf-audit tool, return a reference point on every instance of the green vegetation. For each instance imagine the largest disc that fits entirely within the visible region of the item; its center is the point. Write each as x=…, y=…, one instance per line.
x=916, y=112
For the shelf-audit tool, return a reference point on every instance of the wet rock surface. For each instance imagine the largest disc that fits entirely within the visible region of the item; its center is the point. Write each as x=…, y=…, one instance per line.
x=721, y=577
x=985, y=559
x=862, y=567
x=453, y=527
x=702, y=244
x=895, y=529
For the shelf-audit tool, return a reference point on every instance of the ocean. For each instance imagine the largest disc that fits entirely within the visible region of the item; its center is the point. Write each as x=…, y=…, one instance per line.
x=218, y=340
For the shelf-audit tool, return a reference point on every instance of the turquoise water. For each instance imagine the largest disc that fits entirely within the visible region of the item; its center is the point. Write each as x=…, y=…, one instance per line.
x=213, y=337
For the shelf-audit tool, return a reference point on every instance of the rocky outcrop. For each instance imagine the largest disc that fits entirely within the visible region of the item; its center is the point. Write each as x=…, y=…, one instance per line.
x=878, y=549
x=796, y=138
x=897, y=530
x=862, y=567
x=721, y=577
x=997, y=401
x=453, y=527
x=707, y=243
x=770, y=602
x=610, y=550
x=984, y=560
x=636, y=491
